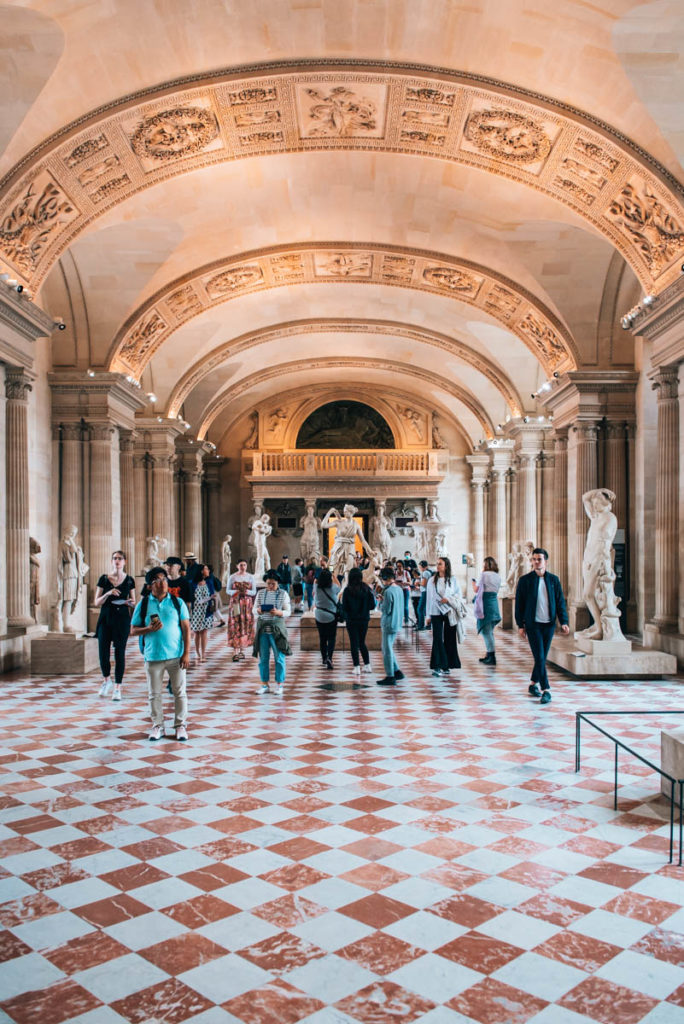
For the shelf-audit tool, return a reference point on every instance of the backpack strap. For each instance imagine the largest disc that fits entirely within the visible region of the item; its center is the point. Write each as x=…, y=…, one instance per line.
x=143, y=616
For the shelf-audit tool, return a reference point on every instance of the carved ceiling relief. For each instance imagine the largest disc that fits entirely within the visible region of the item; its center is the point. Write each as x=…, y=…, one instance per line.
x=130, y=148
x=184, y=303
x=343, y=264
x=141, y=340
x=234, y=280
x=451, y=280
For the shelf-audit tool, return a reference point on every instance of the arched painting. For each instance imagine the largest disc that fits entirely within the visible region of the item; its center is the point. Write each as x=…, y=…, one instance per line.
x=345, y=425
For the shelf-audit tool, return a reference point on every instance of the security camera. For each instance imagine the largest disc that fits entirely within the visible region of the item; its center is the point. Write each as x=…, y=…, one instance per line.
x=556, y=373
x=20, y=288
x=61, y=327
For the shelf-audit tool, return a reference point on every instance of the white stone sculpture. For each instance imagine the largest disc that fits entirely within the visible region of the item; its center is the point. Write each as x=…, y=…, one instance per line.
x=371, y=574
x=310, y=542
x=598, y=575
x=519, y=563
x=346, y=531
x=251, y=549
x=34, y=576
x=437, y=439
x=226, y=557
x=261, y=530
x=155, y=552
x=381, y=531
x=432, y=515
x=440, y=541
x=415, y=421
x=71, y=571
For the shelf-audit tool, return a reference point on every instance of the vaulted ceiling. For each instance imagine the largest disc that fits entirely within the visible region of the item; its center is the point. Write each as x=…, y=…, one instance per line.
x=229, y=200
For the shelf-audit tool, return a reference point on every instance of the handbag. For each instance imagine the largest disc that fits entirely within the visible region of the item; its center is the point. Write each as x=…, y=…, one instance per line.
x=339, y=613
x=211, y=606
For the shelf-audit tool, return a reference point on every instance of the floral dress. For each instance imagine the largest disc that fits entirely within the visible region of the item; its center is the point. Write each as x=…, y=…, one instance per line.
x=240, y=604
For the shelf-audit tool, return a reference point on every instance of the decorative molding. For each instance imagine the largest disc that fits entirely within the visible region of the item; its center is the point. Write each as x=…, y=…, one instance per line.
x=515, y=307
x=231, y=392
x=114, y=151
x=248, y=341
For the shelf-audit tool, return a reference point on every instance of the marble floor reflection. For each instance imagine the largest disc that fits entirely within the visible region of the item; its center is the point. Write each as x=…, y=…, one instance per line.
x=336, y=855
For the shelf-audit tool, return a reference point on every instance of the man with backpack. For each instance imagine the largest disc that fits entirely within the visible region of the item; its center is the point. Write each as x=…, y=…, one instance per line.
x=162, y=622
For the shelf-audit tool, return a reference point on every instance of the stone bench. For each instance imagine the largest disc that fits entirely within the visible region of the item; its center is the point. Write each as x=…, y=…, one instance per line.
x=309, y=634
x=671, y=758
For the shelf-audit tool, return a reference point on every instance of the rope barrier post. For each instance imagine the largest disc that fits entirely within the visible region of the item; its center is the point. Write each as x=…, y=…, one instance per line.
x=681, y=802
x=615, y=802
x=578, y=723
x=672, y=804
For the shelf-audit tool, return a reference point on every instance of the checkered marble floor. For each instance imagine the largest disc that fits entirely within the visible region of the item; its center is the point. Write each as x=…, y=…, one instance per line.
x=335, y=855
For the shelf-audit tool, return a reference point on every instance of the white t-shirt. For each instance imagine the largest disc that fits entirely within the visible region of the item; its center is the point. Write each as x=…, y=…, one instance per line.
x=542, y=613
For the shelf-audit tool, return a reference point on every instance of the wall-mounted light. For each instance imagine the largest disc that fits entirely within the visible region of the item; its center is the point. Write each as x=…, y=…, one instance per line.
x=152, y=397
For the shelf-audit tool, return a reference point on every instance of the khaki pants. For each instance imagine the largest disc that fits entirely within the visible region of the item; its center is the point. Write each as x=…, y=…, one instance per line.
x=155, y=686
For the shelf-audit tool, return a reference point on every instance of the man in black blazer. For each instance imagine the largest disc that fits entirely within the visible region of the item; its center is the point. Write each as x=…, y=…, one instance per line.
x=539, y=601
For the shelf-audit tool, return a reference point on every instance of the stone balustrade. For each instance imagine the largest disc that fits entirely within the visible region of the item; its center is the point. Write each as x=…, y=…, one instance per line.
x=352, y=463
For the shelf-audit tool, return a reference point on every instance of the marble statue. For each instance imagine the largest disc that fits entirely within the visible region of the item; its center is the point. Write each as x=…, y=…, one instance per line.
x=440, y=543
x=310, y=543
x=432, y=515
x=71, y=571
x=346, y=531
x=437, y=439
x=155, y=551
x=381, y=531
x=226, y=557
x=371, y=574
x=413, y=420
x=261, y=530
x=251, y=550
x=598, y=575
x=519, y=563
x=34, y=576
x=253, y=438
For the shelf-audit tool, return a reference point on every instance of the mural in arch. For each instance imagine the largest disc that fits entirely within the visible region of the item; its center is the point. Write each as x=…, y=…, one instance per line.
x=345, y=424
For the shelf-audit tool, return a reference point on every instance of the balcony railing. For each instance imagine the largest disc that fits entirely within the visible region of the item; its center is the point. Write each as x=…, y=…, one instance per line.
x=330, y=463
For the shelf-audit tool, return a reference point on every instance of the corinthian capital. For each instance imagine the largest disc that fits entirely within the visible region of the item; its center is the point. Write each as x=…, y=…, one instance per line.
x=664, y=382
x=18, y=383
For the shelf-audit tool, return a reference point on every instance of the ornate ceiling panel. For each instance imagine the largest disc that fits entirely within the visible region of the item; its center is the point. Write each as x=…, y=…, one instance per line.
x=91, y=165
x=516, y=308
x=209, y=364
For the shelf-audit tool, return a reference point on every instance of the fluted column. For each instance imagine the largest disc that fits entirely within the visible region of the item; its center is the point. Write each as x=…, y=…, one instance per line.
x=129, y=496
x=212, y=532
x=142, y=476
x=527, y=487
x=192, y=505
x=479, y=464
x=546, y=465
x=163, y=519
x=560, y=507
x=511, y=508
x=586, y=453
x=616, y=468
x=665, y=384
x=101, y=543
x=17, y=387
x=3, y=498
x=70, y=436
x=497, y=515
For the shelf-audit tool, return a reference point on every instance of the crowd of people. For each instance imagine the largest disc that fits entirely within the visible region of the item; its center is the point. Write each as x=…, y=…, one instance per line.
x=181, y=600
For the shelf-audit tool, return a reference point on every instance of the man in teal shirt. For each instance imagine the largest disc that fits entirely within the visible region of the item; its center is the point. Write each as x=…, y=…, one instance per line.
x=392, y=616
x=164, y=625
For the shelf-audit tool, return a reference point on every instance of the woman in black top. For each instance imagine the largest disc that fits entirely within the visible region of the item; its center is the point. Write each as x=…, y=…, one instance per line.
x=326, y=592
x=114, y=596
x=358, y=601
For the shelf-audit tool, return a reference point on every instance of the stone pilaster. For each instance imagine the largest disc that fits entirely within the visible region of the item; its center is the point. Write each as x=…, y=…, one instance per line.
x=163, y=519
x=586, y=479
x=189, y=456
x=3, y=501
x=479, y=465
x=129, y=497
x=527, y=494
x=559, y=550
x=212, y=526
x=665, y=383
x=546, y=472
x=616, y=468
x=17, y=387
x=511, y=508
x=498, y=508
x=71, y=467
x=103, y=436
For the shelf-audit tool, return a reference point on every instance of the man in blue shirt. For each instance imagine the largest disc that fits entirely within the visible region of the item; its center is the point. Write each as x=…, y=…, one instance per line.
x=163, y=621
x=539, y=601
x=391, y=619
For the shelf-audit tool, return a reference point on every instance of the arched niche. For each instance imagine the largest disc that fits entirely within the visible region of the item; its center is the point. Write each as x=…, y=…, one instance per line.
x=345, y=424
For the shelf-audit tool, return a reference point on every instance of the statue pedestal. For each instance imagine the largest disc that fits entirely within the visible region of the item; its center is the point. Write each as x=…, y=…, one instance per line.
x=671, y=759
x=64, y=654
x=599, y=648
x=308, y=634
x=507, y=609
x=640, y=663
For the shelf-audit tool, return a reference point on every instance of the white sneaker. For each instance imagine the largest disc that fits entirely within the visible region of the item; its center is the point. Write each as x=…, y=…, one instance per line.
x=281, y=689
x=263, y=688
x=367, y=669
x=105, y=688
x=117, y=692
x=156, y=733
x=181, y=733
x=356, y=670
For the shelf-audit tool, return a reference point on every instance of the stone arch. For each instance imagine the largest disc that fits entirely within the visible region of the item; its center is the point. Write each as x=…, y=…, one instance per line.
x=231, y=391
x=517, y=309
x=367, y=396
x=96, y=162
x=210, y=362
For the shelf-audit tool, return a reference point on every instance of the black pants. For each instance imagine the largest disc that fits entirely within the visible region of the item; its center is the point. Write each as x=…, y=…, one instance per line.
x=539, y=637
x=327, y=635
x=106, y=636
x=357, y=641
x=444, y=652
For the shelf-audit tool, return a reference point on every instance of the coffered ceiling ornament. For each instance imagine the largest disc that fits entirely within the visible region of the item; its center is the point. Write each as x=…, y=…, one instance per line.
x=205, y=366
x=334, y=262
x=437, y=382
x=300, y=106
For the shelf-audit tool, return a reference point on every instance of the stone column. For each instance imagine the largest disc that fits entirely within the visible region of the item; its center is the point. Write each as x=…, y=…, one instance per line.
x=586, y=453
x=616, y=468
x=129, y=497
x=559, y=550
x=479, y=465
x=71, y=467
x=497, y=516
x=3, y=499
x=665, y=384
x=17, y=387
x=212, y=532
x=190, y=459
x=163, y=519
x=143, y=495
x=547, y=471
x=527, y=490
x=100, y=543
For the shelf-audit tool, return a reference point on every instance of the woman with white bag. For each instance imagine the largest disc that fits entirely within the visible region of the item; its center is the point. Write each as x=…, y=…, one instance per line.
x=445, y=613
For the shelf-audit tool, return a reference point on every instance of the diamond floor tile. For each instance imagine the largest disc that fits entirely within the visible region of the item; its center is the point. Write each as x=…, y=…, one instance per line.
x=423, y=852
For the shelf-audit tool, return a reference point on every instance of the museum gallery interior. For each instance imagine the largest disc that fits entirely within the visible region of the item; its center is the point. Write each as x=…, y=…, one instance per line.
x=263, y=260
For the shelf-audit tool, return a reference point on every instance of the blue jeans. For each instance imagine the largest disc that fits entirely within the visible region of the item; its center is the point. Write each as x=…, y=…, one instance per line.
x=420, y=615
x=539, y=637
x=407, y=598
x=388, y=659
x=487, y=634
x=266, y=645
x=308, y=589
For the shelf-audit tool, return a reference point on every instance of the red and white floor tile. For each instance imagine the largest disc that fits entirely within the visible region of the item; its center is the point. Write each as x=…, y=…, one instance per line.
x=336, y=855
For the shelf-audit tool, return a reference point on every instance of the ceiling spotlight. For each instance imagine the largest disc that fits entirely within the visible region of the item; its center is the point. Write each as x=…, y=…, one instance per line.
x=625, y=323
x=19, y=288
x=91, y=373
x=152, y=397
x=649, y=300
x=159, y=419
x=556, y=374
x=526, y=419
